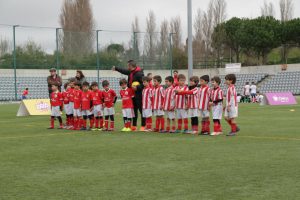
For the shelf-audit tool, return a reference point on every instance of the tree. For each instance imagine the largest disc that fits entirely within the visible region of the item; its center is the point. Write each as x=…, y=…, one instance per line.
x=4, y=46
x=198, y=43
x=164, y=37
x=286, y=10
x=175, y=28
x=263, y=34
x=76, y=19
x=267, y=9
x=150, y=37
x=135, y=41
x=117, y=49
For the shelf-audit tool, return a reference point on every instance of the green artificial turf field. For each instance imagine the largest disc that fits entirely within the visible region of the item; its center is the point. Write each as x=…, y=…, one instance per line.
x=262, y=162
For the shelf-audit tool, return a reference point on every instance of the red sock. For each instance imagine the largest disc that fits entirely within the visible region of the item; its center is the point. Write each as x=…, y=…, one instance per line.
x=168, y=125
x=208, y=126
x=106, y=124
x=71, y=121
x=219, y=128
x=186, y=124
x=101, y=122
x=92, y=122
x=216, y=127
x=149, y=122
x=84, y=123
x=52, y=122
x=233, y=126
x=179, y=124
x=203, y=126
x=128, y=124
x=173, y=125
x=112, y=124
x=162, y=123
x=75, y=122
x=97, y=122
x=157, y=121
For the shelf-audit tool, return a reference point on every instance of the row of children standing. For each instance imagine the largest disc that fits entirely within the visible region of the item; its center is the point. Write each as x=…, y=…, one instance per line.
x=184, y=102
x=181, y=102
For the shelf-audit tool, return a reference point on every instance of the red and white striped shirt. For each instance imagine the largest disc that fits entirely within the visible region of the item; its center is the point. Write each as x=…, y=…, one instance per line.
x=147, y=98
x=231, y=96
x=169, y=103
x=216, y=95
x=193, y=98
x=181, y=100
x=204, y=97
x=158, y=94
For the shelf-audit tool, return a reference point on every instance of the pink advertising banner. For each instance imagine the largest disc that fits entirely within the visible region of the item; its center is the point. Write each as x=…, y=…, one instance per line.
x=281, y=98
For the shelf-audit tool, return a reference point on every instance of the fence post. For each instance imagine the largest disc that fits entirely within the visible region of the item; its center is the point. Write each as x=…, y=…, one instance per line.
x=97, y=56
x=15, y=61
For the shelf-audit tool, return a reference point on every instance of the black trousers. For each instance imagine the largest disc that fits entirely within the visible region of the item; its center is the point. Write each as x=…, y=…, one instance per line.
x=137, y=103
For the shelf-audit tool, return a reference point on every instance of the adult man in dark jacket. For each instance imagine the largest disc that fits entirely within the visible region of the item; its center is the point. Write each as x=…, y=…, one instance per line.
x=135, y=74
x=53, y=79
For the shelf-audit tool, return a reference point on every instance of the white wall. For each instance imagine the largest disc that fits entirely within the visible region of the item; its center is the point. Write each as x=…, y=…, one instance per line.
x=269, y=69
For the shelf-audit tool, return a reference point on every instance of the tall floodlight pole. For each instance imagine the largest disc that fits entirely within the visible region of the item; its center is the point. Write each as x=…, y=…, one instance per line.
x=190, y=40
x=57, y=49
x=15, y=61
x=170, y=53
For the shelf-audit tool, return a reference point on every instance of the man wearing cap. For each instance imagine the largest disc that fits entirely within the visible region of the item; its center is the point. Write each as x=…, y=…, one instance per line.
x=53, y=79
x=135, y=75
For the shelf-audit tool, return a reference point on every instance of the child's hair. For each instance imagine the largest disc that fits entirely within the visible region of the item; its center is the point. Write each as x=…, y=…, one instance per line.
x=231, y=77
x=85, y=84
x=157, y=77
x=55, y=84
x=146, y=78
x=149, y=74
x=123, y=81
x=26, y=88
x=181, y=76
x=205, y=78
x=170, y=79
x=94, y=84
x=195, y=79
x=72, y=80
x=77, y=83
x=66, y=85
x=253, y=83
x=216, y=79
x=105, y=83
x=247, y=83
x=175, y=71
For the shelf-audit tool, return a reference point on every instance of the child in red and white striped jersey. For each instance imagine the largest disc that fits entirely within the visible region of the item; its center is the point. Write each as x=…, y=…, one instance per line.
x=169, y=104
x=192, y=102
x=181, y=104
x=204, y=98
x=158, y=93
x=216, y=101
x=231, y=109
x=147, y=99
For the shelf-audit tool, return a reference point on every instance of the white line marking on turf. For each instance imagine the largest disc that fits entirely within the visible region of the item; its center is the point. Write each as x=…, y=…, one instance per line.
x=271, y=138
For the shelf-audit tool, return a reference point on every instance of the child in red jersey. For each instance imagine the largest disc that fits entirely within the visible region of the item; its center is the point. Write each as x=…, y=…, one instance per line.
x=158, y=94
x=56, y=101
x=204, y=108
x=70, y=91
x=25, y=93
x=192, y=103
x=149, y=75
x=86, y=105
x=77, y=106
x=110, y=98
x=216, y=101
x=97, y=97
x=181, y=105
x=147, y=99
x=67, y=108
x=231, y=109
x=169, y=104
x=127, y=104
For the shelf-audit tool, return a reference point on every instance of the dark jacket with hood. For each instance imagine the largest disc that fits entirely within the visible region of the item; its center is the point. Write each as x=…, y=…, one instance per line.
x=135, y=75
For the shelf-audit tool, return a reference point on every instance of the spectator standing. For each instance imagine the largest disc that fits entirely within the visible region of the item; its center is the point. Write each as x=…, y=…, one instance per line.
x=53, y=79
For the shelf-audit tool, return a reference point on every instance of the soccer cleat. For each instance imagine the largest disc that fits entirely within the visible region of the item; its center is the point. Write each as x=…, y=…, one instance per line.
x=128, y=130
x=214, y=134
x=231, y=134
x=110, y=129
x=124, y=129
x=186, y=132
x=148, y=130
x=237, y=129
x=83, y=129
x=204, y=133
x=194, y=132
x=156, y=130
x=163, y=131
x=133, y=128
x=142, y=128
x=60, y=127
x=178, y=131
x=50, y=127
x=94, y=129
x=172, y=131
x=99, y=129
